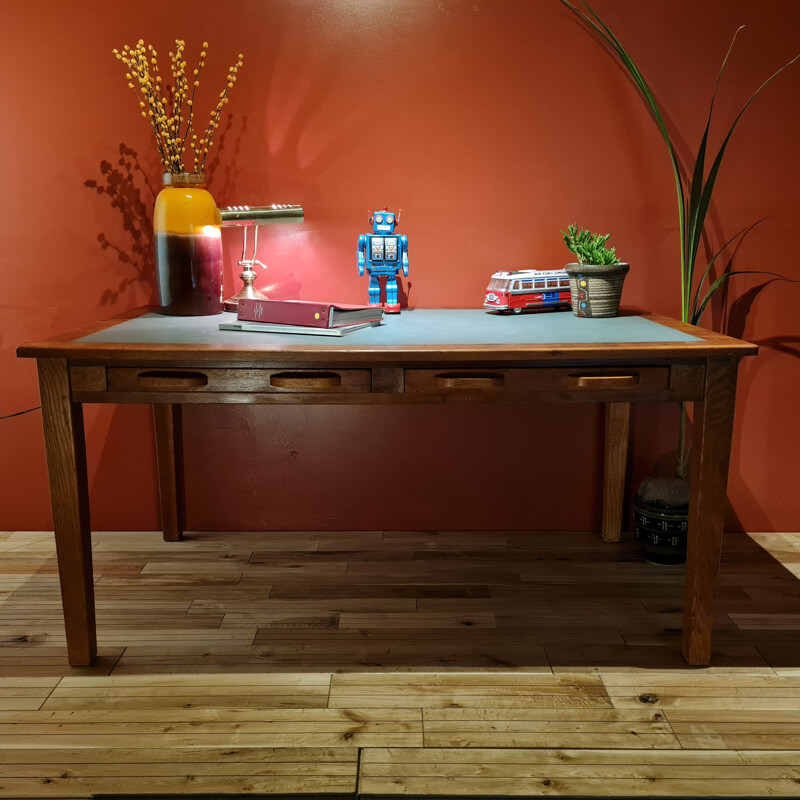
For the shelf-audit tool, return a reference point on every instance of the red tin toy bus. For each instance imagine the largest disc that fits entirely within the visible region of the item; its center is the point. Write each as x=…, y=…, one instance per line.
x=527, y=288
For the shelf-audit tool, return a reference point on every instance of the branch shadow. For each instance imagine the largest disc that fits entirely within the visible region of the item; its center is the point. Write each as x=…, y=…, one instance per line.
x=224, y=179
x=130, y=192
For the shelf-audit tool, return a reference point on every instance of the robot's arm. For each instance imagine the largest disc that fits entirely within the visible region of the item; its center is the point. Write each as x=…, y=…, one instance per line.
x=404, y=246
x=362, y=249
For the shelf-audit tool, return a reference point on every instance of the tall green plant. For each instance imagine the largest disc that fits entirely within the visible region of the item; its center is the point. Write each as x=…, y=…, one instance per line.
x=694, y=186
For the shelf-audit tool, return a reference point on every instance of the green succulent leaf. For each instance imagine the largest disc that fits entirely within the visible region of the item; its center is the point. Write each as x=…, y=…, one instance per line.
x=590, y=248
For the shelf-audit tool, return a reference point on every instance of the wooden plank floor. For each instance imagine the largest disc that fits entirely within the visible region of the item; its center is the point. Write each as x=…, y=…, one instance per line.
x=369, y=663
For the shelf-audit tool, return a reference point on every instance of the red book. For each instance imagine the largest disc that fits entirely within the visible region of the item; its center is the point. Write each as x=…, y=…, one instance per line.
x=307, y=313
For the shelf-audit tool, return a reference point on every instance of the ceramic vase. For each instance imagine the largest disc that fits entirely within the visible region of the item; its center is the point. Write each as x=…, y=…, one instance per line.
x=188, y=244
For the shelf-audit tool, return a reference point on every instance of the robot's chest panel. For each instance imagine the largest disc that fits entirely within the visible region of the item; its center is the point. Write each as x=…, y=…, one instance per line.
x=383, y=248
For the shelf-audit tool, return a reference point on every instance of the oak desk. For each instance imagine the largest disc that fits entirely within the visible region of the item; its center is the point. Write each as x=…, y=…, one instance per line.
x=421, y=356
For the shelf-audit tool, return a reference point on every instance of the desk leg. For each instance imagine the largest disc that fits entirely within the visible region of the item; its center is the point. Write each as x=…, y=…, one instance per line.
x=616, y=458
x=708, y=480
x=169, y=455
x=65, y=449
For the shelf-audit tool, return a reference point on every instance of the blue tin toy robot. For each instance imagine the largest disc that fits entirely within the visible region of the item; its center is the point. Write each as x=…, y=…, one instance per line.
x=383, y=255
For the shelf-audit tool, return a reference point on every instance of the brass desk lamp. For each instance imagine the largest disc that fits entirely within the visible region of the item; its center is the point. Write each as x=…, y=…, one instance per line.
x=253, y=217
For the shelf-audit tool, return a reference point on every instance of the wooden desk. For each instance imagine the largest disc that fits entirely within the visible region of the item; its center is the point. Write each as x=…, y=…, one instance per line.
x=421, y=356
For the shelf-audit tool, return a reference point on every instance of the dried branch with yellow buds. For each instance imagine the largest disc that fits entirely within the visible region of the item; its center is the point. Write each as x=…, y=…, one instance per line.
x=170, y=109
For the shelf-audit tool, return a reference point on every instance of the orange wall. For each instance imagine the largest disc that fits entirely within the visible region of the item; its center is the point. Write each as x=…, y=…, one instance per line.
x=492, y=124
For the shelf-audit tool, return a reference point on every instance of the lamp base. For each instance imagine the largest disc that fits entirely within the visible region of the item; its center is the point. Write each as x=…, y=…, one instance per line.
x=248, y=291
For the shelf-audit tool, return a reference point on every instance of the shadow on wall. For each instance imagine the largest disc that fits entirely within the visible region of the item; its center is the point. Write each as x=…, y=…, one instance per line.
x=223, y=186
x=129, y=190
x=736, y=319
x=121, y=467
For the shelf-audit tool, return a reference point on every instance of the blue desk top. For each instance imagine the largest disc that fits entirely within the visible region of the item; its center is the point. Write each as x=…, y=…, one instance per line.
x=415, y=327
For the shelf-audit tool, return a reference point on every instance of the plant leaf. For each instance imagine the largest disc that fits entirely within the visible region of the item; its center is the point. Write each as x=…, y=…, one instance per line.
x=774, y=276
x=610, y=39
x=742, y=233
x=708, y=188
x=695, y=231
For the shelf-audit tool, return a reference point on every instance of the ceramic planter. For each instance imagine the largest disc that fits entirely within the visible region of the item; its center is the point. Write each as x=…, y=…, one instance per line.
x=661, y=518
x=596, y=288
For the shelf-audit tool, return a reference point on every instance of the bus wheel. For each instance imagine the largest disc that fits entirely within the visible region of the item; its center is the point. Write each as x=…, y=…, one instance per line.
x=517, y=310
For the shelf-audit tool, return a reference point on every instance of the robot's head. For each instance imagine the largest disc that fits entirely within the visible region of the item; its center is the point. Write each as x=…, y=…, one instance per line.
x=384, y=221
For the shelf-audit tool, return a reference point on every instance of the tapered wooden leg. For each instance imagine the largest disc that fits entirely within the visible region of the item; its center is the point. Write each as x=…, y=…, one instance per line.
x=616, y=459
x=169, y=455
x=708, y=481
x=65, y=449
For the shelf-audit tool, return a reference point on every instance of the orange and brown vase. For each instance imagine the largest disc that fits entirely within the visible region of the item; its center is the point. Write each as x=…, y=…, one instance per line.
x=188, y=243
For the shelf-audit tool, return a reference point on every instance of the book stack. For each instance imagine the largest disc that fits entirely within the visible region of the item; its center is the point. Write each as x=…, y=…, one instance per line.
x=302, y=317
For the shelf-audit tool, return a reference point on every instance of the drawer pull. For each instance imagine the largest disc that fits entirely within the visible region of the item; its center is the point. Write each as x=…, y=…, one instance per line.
x=164, y=379
x=306, y=381
x=602, y=381
x=466, y=380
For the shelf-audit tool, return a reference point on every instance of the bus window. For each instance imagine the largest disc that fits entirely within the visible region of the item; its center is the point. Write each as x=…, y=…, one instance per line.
x=564, y=282
x=499, y=284
x=552, y=284
x=527, y=284
x=515, y=286
x=539, y=284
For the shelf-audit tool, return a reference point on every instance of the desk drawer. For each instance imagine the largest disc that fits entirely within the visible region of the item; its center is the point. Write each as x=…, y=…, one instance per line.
x=149, y=379
x=545, y=380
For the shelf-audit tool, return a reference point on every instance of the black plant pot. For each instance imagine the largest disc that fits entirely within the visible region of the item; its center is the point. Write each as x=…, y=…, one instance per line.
x=661, y=519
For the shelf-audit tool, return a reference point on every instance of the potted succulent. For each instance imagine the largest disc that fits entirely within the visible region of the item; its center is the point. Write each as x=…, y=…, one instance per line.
x=661, y=506
x=596, y=280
